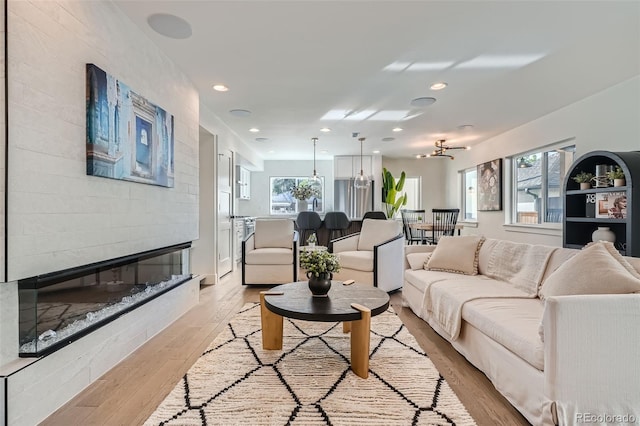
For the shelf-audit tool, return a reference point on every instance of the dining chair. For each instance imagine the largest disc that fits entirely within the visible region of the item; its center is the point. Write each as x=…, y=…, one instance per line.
x=409, y=217
x=375, y=215
x=444, y=223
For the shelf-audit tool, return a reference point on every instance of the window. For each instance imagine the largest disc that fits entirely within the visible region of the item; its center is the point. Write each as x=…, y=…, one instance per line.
x=537, y=185
x=470, y=194
x=282, y=200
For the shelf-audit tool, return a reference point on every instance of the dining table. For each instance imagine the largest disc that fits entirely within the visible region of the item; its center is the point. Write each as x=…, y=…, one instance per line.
x=428, y=226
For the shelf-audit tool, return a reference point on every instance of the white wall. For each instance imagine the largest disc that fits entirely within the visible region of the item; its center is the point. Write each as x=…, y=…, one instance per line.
x=58, y=217
x=608, y=120
x=203, y=252
x=258, y=205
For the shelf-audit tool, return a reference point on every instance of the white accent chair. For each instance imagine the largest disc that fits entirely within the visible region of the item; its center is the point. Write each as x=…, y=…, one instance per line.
x=270, y=254
x=374, y=256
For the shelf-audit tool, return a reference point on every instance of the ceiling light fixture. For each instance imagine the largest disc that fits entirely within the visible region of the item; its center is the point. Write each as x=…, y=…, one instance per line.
x=254, y=130
x=314, y=177
x=361, y=181
x=397, y=129
x=325, y=130
x=438, y=86
x=220, y=88
x=441, y=150
x=388, y=139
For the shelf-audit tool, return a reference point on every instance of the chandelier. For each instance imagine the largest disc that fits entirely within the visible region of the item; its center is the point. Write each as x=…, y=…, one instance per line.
x=314, y=177
x=441, y=150
x=361, y=181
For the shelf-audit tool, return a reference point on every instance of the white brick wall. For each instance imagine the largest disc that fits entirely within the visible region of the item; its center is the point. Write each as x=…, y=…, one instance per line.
x=58, y=217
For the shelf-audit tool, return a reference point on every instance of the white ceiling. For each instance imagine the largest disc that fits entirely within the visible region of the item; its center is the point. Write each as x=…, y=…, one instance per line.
x=291, y=63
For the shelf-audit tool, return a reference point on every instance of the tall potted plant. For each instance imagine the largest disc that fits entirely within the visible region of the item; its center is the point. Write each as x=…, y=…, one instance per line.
x=390, y=192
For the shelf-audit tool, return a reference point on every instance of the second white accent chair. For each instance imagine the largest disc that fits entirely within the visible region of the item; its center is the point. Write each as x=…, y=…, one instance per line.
x=374, y=256
x=270, y=254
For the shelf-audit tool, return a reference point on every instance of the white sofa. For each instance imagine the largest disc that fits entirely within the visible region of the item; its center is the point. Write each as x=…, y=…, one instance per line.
x=567, y=359
x=372, y=256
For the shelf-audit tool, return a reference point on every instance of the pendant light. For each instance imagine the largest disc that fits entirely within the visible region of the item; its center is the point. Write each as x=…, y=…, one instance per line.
x=361, y=181
x=314, y=177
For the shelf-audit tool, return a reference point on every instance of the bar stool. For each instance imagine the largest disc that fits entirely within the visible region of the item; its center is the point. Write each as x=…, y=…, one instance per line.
x=336, y=223
x=307, y=223
x=374, y=215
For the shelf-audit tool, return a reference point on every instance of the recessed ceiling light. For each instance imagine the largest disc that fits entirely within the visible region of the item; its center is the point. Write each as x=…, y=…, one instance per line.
x=169, y=26
x=438, y=86
x=240, y=112
x=325, y=129
x=397, y=129
x=376, y=152
x=324, y=151
x=389, y=139
x=262, y=139
x=421, y=155
x=220, y=87
x=465, y=127
x=254, y=130
x=272, y=152
x=423, y=101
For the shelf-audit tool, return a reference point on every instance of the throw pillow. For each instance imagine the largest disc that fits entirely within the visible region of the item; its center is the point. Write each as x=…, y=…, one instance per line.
x=417, y=260
x=597, y=269
x=456, y=254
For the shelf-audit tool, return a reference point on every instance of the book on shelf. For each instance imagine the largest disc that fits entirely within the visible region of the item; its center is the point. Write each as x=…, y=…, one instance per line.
x=611, y=205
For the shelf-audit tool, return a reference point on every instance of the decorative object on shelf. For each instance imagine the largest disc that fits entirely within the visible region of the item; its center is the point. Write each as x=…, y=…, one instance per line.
x=616, y=176
x=312, y=240
x=590, y=208
x=490, y=186
x=611, y=205
x=314, y=177
x=603, y=233
x=602, y=179
x=320, y=266
x=361, y=181
x=584, y=179
x=390, y=190
x=441, y=150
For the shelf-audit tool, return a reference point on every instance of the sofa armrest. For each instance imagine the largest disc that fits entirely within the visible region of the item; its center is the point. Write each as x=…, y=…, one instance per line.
x=591, y=353
x=388, y=266
x=348, y=243
x=248, y=244
x=418, y=248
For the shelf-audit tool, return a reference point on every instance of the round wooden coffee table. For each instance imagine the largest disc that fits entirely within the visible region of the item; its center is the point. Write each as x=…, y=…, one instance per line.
x=354, y=305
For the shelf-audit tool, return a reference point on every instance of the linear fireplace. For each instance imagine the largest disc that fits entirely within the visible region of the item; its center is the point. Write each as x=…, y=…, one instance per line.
x=60, y=307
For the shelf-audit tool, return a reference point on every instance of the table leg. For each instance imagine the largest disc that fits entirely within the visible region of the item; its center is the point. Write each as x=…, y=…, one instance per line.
x=346, y=326
x=271, y=326
x=360, y=341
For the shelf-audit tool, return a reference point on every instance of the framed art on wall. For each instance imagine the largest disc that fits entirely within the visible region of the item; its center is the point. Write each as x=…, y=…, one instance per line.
x=128, y=137
x=490, y=185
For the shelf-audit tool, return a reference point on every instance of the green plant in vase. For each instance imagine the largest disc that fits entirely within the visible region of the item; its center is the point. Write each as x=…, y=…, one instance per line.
x=584, y=179
x=390, y=192
x=617, y=176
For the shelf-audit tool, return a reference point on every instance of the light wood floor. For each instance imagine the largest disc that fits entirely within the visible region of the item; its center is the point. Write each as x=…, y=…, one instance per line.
x=131, y=391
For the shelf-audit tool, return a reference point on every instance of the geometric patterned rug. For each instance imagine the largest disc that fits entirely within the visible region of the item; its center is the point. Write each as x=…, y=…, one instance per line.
x=309, y=381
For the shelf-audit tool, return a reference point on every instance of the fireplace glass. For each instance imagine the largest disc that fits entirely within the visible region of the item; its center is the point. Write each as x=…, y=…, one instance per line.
x=58, y=308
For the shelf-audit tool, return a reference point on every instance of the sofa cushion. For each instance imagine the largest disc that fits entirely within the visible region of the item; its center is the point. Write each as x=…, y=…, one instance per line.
x=597, y=269
x=456, y=254
x=269, y=256
x=417, y=260
x=375, y=231
x=358, y=260
x=274, y=233
x=511, y=322
x=421, y=278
